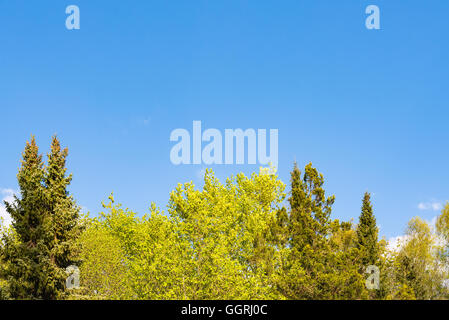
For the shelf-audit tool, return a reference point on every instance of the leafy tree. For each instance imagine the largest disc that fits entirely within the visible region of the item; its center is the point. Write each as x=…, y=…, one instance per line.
x=392, y=286
x=153, y=251
x=103, y=271
x=215, y=244
x=442, y=228
x=129, y=257
x=227, y=229
x=419, y=267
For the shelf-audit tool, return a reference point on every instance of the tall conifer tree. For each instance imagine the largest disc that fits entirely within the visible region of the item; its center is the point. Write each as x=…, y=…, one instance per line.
x=25, y=254
x=367, y=233
x=64, y=211
x=309, y=225
x=310, y=210
x=45, y=224
x=314, y=267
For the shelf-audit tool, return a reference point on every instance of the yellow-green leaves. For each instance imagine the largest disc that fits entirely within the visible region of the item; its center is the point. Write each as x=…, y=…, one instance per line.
x=214, y=244
x=236, y=240
x=103, y=269
x=419, y=265
x=226, y=229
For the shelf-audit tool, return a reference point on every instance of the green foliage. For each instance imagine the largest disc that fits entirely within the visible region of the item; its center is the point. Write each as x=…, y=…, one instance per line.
x=226, y=236
x=319, y=262
x=367, y=234
x=442, y=228
x=39, y=248
x=230, y=240
x=367, y=241
x=215, y=244
x=64, y=213
x=103, y=263
x=419, y=266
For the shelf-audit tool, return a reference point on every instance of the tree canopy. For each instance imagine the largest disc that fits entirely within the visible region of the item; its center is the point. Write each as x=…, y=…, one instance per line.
x=248, y=237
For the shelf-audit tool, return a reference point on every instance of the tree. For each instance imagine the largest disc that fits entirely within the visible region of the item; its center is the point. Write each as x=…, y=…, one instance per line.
x=310, y=210
x=309, y=225
x=442, y=228
x=26, y=265
x=367, y=234
x=103, y=271
x=45, y=218
x=148, y=261
x=5, y=232
x=419, y=267
x=392, y=285
x=64, y=213
x=314, y=266
x=225, y=229
x=369, y=247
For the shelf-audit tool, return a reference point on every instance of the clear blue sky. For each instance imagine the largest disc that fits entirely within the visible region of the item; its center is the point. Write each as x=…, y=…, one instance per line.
x=369, y=108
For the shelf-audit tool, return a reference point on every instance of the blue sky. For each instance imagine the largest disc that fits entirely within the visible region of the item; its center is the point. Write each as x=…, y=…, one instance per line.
x=368, y=108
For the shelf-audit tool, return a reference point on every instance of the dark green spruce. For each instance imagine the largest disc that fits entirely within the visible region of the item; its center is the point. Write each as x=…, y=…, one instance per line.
x=367, y=233
x=44, y=229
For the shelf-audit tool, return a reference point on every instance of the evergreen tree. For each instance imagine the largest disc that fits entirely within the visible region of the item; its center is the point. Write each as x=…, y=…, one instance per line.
x=310, y=210
x=367, y=234
x=65, y=228
x=314, y=265
x=40, y=247
x=307, y=227
x=25, y=253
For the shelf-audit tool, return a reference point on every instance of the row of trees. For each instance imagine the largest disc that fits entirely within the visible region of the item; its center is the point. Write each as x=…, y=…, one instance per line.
x=231, y=240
